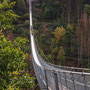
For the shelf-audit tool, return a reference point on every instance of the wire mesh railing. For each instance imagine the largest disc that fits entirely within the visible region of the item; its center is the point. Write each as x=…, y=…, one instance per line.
x=62, y=80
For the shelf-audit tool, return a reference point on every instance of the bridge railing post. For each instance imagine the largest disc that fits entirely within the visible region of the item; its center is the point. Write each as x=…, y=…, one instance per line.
x=73, y=80
x=65, y=77
x=84, y=81
x=61, y=80
x=46, y=79
x=56, y=80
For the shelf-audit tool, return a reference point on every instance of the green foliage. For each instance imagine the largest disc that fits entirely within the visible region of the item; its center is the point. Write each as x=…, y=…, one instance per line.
x=87, y=9
x=42, y=54
x=7, y=15
x=24, y=81
x=57, y=4
x=12, y=62
x=21, y=7
x=61, y=56
x=44, y=5
x=35, y=23
x=50, y=58
x=50, y=12
x=69, y=35
x=6, y=4
x=19, y=41
x=27, y=23
x=19, y=29
x=26, y=16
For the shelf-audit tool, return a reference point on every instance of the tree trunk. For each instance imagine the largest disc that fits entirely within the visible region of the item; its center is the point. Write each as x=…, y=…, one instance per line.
x=69, y=10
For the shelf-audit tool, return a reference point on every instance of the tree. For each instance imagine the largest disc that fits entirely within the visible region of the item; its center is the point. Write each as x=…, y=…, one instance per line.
x=12, y=63
x=61, y=56
x=69, y=10
x=87, y=9
x=59, y=33
x=24, y=81
x=49, y=14
x=50, y=9
x=21, y=6
x=12, y=57
x=87, y=30
x=7, y=15
x=69, y=41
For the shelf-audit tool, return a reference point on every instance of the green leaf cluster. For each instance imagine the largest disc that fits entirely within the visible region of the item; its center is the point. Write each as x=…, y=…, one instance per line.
x=50, y=9
x=87, y=9
x=12, y=63
x=24, y=81
x=61, y=56
x=21, y=7
x=7, y=15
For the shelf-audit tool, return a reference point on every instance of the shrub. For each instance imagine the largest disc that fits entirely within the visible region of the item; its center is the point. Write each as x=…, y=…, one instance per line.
x=26, y=23
x=87, y=9
x=26, y=16
x=49, y=14
x=61, y=56
x=21, y=6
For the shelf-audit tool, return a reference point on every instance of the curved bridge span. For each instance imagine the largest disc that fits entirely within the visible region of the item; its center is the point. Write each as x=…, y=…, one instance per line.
x=52, y=77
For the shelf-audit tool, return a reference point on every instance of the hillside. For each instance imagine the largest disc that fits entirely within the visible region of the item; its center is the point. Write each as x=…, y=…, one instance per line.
x=63, y=31
x=62, y=35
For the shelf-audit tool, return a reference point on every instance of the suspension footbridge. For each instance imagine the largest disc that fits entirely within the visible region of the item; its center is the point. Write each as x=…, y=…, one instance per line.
x=52, y=77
